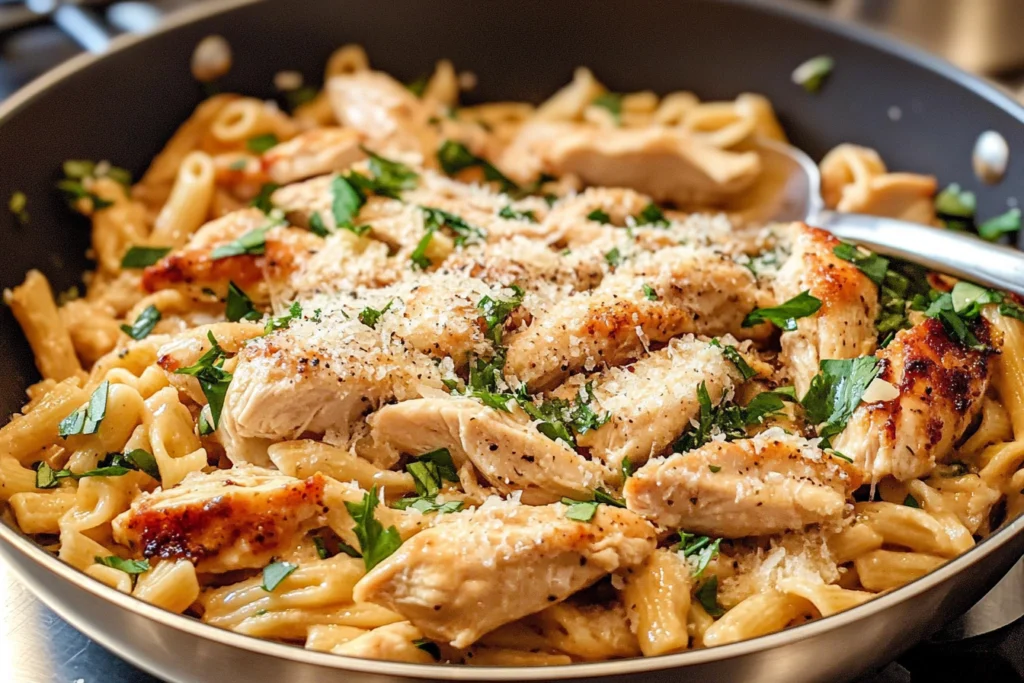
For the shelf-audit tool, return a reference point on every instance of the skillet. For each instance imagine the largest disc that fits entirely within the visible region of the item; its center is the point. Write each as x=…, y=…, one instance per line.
x=923, y=115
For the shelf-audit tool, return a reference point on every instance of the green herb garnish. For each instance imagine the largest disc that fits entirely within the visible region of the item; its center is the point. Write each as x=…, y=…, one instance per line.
x=276, y=572
x=785, y=315
x=141, y=257
x=375, y=542
x=143, y=324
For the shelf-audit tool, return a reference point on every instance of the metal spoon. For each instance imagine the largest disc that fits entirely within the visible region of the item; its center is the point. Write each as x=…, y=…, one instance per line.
x=945, y=251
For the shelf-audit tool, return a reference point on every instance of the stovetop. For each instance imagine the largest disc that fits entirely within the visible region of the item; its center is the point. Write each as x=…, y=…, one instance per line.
x=36, y=646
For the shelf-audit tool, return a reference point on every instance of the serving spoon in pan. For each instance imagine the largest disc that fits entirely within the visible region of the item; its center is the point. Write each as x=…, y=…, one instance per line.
x=945, y=251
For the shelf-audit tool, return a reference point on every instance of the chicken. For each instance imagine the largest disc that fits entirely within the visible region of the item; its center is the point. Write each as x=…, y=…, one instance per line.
x=941, y=386
x=693, y=291
x=312, y=153
x=753, y=487
x=382, y=110
x=668, y=164
x=507, y=451
x=844, y=326
x=476, y=570
x=225, y=520
x=319, y=377
x=652, y=401
x=194, y=267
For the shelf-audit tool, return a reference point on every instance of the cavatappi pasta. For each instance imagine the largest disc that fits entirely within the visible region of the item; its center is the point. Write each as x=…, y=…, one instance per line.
x=504, y=384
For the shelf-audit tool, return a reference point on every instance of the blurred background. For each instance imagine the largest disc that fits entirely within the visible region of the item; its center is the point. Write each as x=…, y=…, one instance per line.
x=982, y=36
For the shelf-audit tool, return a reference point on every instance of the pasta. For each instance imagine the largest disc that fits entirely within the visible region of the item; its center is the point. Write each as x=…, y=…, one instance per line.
x=504, y=384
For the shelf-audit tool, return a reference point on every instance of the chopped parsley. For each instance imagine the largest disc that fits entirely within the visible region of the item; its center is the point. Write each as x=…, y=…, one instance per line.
x=276, y=572
x=77, y=171
x=785, y=315
x=955, y=322
x=317, y=226
x=497, y=310
x=612, y=103
x=651, y=215
x=703, y=547
x=238, y=164
x=86, y=420
x=17, y=206
x=390, y=178
x=835, y=393
x=561, y=420
x=131, y=567
x=455, y=157
x=464, y=232
x=627, y=468
x=956, y=207
x=283, y=321
x=239, y=305
x=369, y=316
x=346, y=201
x=113, y=465
x=911, y=502
x=252, y=243
x=419, y=256
x=375, y=542
x=614, y=257
x=727, y=418
x=430, y=470
x=707, y=596
x=417, y=87
x=869, y=263
x=141, y=257
x=580, y=510
x=1000, y=225
x=144, y=324
x=811, y=75
x=262, y=199
x=649, y=293
x=213, y=379
x=599, y=216
x=430, y=647
x=836, y=454
x=516, y=215
x=261, y=143
x=736, y=358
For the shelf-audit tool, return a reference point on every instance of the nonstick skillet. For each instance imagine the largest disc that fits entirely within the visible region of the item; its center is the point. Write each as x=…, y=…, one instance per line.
x=923, y=115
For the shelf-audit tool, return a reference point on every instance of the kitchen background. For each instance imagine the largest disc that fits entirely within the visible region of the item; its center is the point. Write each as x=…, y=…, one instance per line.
x=983, y=36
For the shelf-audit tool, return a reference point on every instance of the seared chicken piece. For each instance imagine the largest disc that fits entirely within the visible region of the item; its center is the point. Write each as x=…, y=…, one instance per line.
x=225, y=520
x=344, y=263
x=194, y=267
x=695, y=291
x=504, y=448
x=316, y=378
x=654, y=400
x=941, y=385
x=383, y=111
x=312, y=153
x=844, y=326
x=753, y=487
x=668, y=164
x=476, y=570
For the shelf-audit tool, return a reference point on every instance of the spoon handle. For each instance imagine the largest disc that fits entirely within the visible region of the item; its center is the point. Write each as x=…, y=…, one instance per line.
x=945, y=251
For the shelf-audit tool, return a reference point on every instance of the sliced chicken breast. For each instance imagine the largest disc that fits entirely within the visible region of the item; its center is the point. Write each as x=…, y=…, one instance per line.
x=694, y=292
x=504, y=448
x=668, y=164
x=474, y=571
x=225, y=520
x=768, y=484
x=941, y=386
x=316, y=377
x=384, y=112
x=654, y=400
x=312, y=153
x=844, y=326
x=194, y=267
